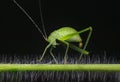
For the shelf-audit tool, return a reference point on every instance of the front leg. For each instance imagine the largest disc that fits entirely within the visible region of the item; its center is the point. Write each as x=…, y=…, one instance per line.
x=51, y=53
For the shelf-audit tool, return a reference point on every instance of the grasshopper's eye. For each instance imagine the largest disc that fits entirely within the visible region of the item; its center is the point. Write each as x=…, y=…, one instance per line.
x=80, y=44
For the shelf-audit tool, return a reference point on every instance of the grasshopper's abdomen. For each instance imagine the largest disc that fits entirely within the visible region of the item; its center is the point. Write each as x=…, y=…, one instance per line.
x=64, y=34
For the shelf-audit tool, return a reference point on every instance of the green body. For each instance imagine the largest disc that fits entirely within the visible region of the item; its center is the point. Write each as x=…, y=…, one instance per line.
x=64, y=35
x=61, y=34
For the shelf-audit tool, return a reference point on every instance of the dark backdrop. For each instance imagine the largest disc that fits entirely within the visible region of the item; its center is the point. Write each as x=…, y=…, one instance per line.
x=18, y=34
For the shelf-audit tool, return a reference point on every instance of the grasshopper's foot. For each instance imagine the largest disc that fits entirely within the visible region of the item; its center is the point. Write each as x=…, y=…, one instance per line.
x=65, y=60
x=56, y=62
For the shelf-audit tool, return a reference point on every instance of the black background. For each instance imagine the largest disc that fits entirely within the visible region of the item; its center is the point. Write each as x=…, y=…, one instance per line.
x=19, y=35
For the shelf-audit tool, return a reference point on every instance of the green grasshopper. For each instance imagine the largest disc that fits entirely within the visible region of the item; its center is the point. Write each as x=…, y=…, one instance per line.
x=64, y=35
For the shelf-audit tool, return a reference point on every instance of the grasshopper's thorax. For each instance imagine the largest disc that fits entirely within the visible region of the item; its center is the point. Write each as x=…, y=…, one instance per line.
x=62, y=33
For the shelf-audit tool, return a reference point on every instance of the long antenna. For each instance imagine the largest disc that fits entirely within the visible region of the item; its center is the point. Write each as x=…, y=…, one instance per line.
x=44, y=36
x=41, y=16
